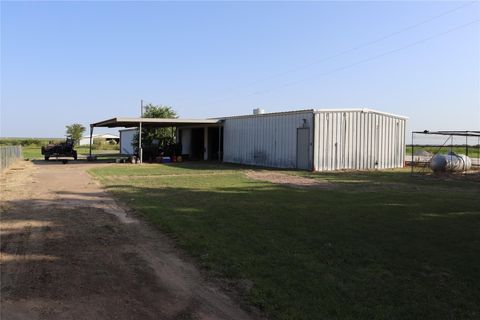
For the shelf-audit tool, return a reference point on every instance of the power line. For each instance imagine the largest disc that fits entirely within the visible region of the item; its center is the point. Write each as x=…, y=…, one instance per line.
x=376, y=56
x=359, y=62
x=366, y=44
x=355, y=48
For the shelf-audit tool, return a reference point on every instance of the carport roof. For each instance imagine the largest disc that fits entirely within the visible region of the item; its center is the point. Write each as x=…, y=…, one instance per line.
x=153, y=122
x=464, y=133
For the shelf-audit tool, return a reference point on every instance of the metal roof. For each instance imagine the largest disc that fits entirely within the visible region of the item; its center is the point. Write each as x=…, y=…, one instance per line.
x=178, y=122
x=153, y=122
x=364, y=110
x=266, y=114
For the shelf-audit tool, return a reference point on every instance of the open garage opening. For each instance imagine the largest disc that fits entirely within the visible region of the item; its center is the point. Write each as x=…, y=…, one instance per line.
x=201, y=143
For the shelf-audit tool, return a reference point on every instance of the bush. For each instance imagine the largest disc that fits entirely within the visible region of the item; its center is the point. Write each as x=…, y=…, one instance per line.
x=102, y=144
x=97, y=143
x=28, y=142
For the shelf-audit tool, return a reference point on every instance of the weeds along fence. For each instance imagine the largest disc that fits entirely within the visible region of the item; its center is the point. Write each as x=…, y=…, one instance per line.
x=9, y=154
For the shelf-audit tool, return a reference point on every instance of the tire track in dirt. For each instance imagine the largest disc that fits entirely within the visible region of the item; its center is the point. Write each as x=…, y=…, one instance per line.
x=69, y=251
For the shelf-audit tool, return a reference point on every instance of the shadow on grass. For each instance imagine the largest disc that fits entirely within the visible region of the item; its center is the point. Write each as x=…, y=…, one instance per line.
x=70, y=161
x=379, y=252
x=326, y=253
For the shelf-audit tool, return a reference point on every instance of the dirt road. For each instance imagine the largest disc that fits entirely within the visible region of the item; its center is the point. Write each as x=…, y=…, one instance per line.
x=68, y=251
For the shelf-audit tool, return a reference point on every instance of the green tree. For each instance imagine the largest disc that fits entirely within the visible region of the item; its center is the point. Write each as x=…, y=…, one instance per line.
x=76, y=131
x=164, y=136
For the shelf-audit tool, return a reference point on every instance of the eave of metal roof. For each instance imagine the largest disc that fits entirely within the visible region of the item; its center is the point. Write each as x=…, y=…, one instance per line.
x=266, y=114
x=364, y=110
x=134, y=122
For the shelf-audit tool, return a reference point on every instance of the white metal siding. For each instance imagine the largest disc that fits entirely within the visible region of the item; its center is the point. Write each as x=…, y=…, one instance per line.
x=358, y=140
x=186, y=140
x=265, y=140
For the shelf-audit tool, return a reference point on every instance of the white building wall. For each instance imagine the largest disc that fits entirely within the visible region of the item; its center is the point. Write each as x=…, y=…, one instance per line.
x=186, y=140
x=126, y=139
x=84, y=141
x=340, y=139
x=358, y=140
x=265, y=140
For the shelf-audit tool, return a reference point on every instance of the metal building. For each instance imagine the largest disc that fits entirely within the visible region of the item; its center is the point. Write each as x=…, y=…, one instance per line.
x=85, y=140
x=281, y=140
x=319, y=140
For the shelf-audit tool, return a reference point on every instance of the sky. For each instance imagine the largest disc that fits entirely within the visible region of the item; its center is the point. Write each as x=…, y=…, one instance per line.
x=83, y=62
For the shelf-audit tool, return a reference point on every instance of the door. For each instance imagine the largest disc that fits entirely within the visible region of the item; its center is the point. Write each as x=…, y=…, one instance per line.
x=303, y=148
x=197, y=144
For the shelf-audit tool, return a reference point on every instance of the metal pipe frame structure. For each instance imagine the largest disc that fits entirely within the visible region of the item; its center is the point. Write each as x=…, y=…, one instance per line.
x=450, y=135
x=91, y=137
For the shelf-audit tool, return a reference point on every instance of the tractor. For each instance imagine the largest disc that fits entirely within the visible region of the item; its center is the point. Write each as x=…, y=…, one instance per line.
x=63, y=149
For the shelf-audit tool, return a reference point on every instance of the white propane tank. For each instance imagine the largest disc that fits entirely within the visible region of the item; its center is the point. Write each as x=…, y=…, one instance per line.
x=450, y=162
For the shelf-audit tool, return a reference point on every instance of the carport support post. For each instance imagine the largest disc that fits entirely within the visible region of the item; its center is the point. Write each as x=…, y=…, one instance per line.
x=219, y=142
x=140, y=149
x=205, y=143
x=466, y=145
x=91, y=134
x=413, y=149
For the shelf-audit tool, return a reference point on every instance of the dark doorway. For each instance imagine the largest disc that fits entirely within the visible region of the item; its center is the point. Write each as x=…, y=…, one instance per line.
x=197, y=144
x=215, y=143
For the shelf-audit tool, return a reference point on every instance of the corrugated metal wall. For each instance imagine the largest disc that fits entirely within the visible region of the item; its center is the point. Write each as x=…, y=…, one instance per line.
x=265, y=140
x=358, y=140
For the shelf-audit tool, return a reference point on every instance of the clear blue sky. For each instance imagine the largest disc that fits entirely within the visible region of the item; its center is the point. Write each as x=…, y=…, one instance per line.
x=66, y=62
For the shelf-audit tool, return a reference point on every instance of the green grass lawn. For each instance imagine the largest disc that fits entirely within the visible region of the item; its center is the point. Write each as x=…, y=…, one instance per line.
x=31, y=153
x=380, y=245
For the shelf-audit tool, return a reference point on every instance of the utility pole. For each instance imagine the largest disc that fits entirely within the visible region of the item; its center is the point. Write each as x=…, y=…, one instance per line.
x=140, y=149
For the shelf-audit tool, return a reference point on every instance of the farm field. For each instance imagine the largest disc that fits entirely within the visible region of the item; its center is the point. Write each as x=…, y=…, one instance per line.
x=373, y=245
x=473, y=151
x=33, y=153
x=31, y=147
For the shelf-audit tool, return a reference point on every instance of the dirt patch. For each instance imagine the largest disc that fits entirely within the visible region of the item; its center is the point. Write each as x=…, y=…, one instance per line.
x=69, y=251
x=287, y=179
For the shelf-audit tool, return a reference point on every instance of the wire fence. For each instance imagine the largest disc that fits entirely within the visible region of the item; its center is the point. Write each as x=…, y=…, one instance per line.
x=8, y=155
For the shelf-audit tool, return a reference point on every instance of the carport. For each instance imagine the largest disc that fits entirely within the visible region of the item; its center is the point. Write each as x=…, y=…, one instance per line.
x=208, y=125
